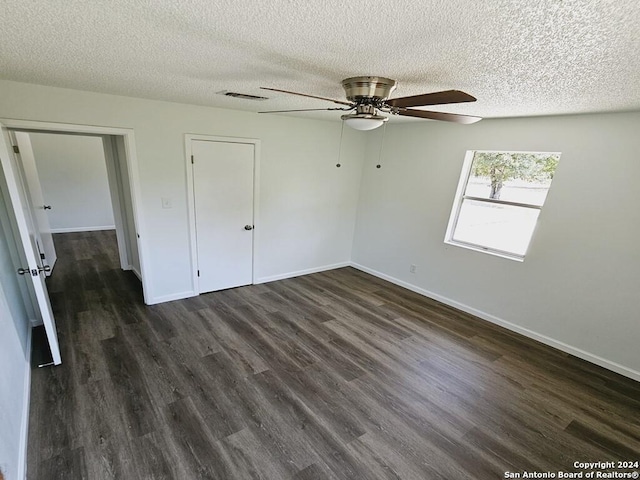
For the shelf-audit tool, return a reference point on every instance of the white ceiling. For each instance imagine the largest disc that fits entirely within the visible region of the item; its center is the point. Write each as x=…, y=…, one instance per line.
x=518, y=57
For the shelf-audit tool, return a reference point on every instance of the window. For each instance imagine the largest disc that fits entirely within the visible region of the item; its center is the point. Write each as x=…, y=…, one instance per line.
x=498, y=201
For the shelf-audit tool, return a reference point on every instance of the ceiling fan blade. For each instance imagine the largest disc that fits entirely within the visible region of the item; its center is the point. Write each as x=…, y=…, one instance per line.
x=435, y=98
x=307, y=110
x=339, y=102
x=447, y=117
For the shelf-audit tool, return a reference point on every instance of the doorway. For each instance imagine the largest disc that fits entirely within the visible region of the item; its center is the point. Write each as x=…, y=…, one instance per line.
x=121, y=170
x=222, y=177
x=77, y=183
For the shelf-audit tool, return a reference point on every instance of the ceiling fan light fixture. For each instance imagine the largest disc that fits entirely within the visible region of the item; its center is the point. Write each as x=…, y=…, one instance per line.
x=364, y=122
x=368, y=96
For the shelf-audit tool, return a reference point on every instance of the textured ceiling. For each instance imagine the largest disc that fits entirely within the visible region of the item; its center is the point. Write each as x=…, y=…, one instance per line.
x=519, y=57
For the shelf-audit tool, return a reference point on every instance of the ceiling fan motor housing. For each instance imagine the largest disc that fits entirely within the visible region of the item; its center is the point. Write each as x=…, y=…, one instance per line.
x=368, y=89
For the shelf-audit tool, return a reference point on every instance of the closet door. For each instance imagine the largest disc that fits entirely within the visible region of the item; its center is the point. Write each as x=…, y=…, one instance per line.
x=223, y=186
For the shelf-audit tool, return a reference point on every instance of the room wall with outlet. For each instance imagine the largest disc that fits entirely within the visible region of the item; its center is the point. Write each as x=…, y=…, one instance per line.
x=578, y=285
x=577, y=272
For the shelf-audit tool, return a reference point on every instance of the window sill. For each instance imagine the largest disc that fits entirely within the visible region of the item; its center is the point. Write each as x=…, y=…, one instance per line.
x=495, y=253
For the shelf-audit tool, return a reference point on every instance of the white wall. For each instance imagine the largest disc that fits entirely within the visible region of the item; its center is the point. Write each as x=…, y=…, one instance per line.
x=14, y=356
x=307, y=205
x=578, y=286
x=73, y=176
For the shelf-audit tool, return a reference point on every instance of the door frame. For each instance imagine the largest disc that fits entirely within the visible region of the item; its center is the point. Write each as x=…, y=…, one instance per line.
x=191, y=200
x=131, y=161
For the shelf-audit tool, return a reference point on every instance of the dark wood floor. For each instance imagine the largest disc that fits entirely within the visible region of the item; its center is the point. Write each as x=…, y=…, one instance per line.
x=335, y=375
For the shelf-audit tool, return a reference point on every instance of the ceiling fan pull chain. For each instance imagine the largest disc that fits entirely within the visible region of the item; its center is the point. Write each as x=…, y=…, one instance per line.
x=338, y=165
x=384, y=129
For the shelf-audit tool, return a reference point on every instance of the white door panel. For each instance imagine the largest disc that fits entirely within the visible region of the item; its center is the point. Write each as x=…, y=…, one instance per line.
x=223, y=177
x=34, y=188
x=28, y=235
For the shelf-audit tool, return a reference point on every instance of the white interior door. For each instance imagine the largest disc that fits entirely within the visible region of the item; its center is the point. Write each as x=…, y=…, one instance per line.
x=27, y=233
x=38, y=204
x=223, y=185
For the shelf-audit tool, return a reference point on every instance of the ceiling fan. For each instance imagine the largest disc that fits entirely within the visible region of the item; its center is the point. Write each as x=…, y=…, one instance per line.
x=368, y=98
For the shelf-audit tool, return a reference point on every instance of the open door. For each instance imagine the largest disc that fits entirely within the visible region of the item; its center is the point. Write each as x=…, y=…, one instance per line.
x=27, y=233
x=38, y=205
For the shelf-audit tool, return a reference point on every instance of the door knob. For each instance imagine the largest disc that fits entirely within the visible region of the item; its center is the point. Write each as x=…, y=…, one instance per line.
x=46, y=207
x=44, y=268
x=23, y=271
x=248, y=227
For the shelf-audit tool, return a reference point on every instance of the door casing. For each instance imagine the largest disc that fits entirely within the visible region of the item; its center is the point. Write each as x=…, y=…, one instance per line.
x=127, y=153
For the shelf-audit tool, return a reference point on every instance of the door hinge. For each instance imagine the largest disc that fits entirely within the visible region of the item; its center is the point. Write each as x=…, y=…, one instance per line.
x=16, y=149
x=191, y=159
x=42, y=256
x=198, y=272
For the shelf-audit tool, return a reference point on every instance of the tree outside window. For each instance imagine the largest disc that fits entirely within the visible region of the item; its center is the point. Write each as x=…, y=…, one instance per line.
x=500, y=167
x=499, y=199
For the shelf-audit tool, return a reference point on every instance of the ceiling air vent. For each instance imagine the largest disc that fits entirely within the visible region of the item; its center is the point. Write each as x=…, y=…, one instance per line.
x=226, y=93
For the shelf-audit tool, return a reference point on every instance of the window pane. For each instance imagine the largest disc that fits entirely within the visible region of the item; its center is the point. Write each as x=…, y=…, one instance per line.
x=494, y=226
x=514, y=177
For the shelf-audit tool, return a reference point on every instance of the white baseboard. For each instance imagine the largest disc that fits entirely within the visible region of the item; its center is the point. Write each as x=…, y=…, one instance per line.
x=172, y=297
x=298, y=273
x=24, y=427
x=136, y=272
x=82, y=229
x=35, y=322
x=589, y=357
x=191, y=293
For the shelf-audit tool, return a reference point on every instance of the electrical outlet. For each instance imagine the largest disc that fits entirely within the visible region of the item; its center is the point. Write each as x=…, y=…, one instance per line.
x=412, y=269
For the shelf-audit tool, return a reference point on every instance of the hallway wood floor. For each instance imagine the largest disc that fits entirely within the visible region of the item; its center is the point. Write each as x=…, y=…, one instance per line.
x=335, y=375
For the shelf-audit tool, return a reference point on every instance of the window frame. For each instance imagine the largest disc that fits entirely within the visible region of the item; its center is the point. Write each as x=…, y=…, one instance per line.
x=460, y=197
